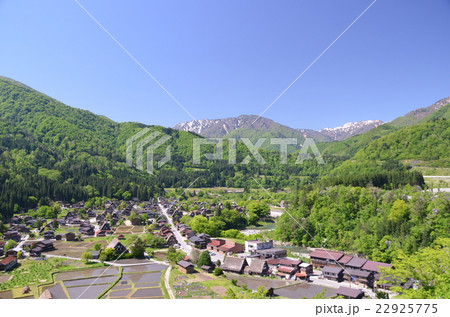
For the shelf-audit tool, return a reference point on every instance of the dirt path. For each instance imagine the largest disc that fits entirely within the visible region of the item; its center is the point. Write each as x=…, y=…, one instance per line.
x=166, y=282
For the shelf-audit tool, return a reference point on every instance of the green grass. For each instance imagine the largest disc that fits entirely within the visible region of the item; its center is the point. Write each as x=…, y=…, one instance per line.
x=31, y=272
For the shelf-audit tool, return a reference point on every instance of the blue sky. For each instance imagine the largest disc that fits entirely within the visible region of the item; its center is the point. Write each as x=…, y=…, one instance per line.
x=226, y=58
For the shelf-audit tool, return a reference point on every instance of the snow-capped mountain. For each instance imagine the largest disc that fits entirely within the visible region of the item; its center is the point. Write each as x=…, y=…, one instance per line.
x=245, y=125
x=351, y=128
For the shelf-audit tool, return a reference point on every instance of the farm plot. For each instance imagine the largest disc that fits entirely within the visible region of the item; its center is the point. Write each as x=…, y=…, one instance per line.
x=141, y=281
x=56, y=290
x=255, y=282
x=74, y=248
x=129, y=230
x=89, y=273
x=304, y=290
x=85, y=284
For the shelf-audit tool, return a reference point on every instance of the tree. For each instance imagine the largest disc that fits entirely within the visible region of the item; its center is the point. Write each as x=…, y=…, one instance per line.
x=134, y=219
x=173, y=255
x=86, y=256
x=3, y=227
x=399, y=211
x=217, y=271
x=110, y=254
x=103, y=257
x=257, y=210
x=204, y=259
x=138, y=249
x=97, y=246
x=11, y=244
x=429, y=267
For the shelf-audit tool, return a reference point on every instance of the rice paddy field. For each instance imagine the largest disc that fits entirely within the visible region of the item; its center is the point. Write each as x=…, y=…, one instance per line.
x=138, y=280
x=74, y=248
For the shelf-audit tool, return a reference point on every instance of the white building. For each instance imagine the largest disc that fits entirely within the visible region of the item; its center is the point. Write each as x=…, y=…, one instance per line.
x=256, y=245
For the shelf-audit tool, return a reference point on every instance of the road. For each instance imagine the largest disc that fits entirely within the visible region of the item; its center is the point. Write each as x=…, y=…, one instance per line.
x=183, y=245
x=166, y=282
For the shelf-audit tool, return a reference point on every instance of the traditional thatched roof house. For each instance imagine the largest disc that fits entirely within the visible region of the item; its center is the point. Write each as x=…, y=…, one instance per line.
x=257, y=267
x=233, y=264
x=118, y=246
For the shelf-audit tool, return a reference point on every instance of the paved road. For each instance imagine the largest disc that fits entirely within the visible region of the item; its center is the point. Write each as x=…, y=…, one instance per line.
x=184, y=246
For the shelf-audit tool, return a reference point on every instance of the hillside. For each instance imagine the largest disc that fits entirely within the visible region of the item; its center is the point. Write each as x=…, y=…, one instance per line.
x=49, y=150
x=419, y=115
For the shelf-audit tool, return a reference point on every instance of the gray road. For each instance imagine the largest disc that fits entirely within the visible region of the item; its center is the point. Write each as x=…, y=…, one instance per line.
x=183, y=245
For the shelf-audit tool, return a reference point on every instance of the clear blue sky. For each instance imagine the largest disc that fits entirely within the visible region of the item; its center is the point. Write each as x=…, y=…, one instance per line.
x=226, y=58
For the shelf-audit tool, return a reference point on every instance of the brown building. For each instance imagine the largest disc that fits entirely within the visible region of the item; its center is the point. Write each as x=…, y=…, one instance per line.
x=351, y=293
x=321, y=258
x=333, y=273
x=230, y=247
x=233, y=264
x=186, y=267
x=8, y=263
x=359, y=276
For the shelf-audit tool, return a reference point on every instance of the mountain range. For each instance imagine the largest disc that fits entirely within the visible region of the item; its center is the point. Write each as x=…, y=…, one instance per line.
x=254, y=127
x=241, y=127
x=49, y=150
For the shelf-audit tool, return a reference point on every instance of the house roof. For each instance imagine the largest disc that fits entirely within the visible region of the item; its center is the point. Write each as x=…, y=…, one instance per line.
x=332, y=269
x=272, y=261
x=349, y=292
x=358, y=273
x=234, y=264
x=356, y=262
x=301, y=274
x=289, y=262
x=305, y=264
x=46, y=295
x=374, y=266
x=271, y=251
x=8, y=260
x=196, y=239
x=257, y=266
x=345, y=258
x=113, y=243
x=216, y=242
x=286, y=269
x=326, y=254
x=184, y=264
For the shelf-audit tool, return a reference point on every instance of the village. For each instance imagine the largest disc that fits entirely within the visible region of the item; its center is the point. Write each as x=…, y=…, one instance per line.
x=91, y=252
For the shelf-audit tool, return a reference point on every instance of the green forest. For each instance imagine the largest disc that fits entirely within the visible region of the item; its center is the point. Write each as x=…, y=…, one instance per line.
x=50, y=151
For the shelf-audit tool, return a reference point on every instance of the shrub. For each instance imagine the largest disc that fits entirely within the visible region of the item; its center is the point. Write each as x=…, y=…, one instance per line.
x=218, y=271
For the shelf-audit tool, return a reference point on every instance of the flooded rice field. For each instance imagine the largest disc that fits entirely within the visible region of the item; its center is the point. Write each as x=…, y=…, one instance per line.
x=57, y=291
x=89, y=281
x=87, y=273
x=120, y=293
x=147, y=292
x=86, y=292
x=144, y=268
x=306, y=290
x=142, y=277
